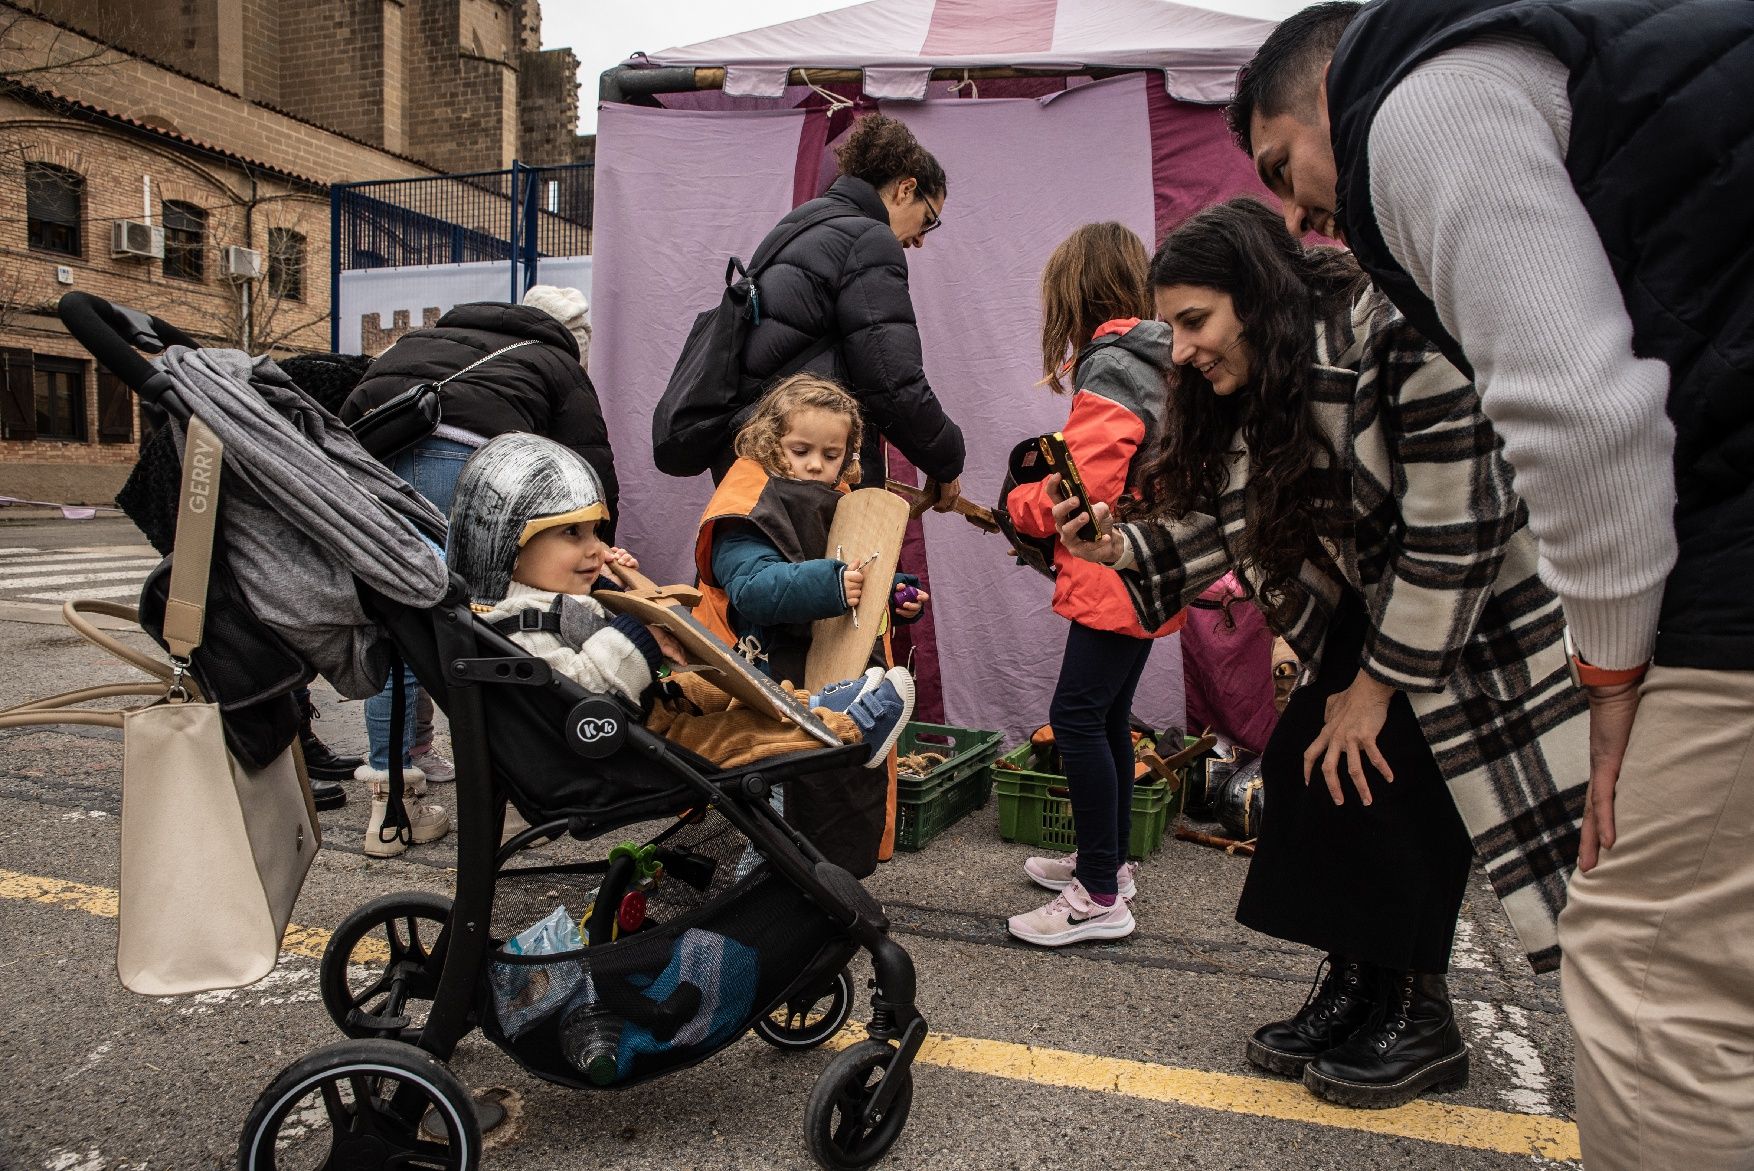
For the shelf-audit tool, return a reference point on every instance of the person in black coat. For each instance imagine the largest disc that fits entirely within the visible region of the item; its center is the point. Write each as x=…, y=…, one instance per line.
x=542, y=388
x=847, y=278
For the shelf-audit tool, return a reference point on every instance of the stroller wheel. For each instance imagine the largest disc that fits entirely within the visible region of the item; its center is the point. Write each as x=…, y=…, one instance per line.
x=835, y=1129
x=808, y=1019
x=360, y=1104
x=381, y=968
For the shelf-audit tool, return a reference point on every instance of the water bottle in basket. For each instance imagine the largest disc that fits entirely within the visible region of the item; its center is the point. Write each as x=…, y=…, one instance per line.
x=590, y=1036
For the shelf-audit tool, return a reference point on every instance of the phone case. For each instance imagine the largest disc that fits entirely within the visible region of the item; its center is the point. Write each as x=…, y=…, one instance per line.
x=1059, y=457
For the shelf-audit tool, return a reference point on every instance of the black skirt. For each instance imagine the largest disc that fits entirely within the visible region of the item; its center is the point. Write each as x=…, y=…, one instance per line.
x=1383, y=883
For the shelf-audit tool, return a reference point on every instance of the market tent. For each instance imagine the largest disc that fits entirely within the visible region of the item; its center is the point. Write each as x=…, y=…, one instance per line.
x=897, y=43
x=1033, y=147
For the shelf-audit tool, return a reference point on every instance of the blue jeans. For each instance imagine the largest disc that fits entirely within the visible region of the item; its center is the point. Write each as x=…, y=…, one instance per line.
x=431, y=468
x=1091, y=716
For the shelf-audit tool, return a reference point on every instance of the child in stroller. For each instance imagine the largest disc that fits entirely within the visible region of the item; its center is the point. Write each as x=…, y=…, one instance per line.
x=671, y=994
x=523, y=537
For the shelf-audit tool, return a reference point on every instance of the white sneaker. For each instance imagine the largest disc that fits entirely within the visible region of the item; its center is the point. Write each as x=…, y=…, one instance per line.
x=1057, y=872
x=1071, y=917
x=427, y=822
x=438, y=770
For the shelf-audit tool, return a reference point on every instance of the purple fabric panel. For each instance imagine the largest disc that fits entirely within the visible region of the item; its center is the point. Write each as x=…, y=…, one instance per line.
x=678, y=192
x=1023, y=174
x=1230, y=672
x=1194, y=162
x=966, y=28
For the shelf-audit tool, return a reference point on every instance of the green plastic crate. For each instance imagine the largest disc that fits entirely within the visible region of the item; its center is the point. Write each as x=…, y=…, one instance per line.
x=927, y=806
x=1034, y=808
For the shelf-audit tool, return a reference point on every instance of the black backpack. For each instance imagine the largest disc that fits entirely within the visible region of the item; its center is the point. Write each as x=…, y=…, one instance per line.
x=708, y=391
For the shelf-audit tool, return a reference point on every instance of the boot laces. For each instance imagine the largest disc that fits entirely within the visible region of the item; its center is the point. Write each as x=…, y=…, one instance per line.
x=1323, y=999
x=1393, y=1021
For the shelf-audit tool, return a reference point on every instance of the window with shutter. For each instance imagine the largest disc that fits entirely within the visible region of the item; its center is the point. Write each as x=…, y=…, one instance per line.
x=59, y=393
x=53, y=196
x=185, y=241
x=18, y=411
x=115, y=409
x=286, y=264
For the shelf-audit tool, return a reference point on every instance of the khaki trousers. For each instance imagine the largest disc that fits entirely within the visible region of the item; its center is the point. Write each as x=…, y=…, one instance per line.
x=718, y=727
x=1658, y=939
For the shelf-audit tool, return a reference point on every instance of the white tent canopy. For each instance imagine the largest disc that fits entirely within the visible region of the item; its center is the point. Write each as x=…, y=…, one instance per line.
x=898, y=43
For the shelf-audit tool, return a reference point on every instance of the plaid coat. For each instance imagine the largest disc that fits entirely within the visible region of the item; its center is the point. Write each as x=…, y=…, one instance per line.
x=1439, y=550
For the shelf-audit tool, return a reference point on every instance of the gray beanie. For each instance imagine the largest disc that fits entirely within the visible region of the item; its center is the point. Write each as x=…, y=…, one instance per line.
x=567, y=306
x=515, y=486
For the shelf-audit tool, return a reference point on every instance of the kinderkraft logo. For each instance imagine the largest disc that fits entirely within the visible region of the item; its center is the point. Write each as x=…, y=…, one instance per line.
x=205, y=453
x=592, y=729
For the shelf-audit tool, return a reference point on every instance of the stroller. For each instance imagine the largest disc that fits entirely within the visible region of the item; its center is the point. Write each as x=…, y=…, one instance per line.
x=682, y=955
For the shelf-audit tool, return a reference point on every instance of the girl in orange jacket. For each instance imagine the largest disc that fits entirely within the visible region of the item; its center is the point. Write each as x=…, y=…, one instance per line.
x=1094, y=294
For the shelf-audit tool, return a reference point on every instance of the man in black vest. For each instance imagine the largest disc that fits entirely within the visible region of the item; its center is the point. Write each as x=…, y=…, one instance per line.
x=1557, y=192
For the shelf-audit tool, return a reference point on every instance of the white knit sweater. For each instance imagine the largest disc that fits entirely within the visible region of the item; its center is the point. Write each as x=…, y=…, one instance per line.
x=1467, y=174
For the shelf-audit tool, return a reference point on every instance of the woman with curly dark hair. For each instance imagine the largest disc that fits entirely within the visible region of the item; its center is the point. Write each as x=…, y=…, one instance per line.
x=835, y=301
x=1333, y=459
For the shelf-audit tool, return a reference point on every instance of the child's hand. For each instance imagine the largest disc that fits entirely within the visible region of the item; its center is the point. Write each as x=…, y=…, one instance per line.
x=909, y=601
x=622, y=558
x=668, y=646
x=853, y=586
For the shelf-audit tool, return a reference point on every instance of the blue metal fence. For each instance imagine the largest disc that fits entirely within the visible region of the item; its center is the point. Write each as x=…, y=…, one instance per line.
x=517, y=215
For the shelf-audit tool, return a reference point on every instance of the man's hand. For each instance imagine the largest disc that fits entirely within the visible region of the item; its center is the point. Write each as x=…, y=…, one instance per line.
x=1354, y=718
x=1611, y=713
x=947, y=495
x=1070, y=516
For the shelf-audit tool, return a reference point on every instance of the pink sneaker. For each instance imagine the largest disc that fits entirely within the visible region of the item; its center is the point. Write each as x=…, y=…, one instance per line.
x=1056, y=872
x=1071, y=917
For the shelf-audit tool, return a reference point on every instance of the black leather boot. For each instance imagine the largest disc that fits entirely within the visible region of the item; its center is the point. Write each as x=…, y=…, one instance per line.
x=1409, y=1045
x=1331, y=1013
x=322, y=765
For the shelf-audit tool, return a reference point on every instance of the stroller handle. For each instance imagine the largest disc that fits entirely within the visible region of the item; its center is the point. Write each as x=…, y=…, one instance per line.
x=115, y=334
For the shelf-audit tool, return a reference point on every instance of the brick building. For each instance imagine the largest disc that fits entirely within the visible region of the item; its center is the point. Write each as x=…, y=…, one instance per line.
x=175, y=156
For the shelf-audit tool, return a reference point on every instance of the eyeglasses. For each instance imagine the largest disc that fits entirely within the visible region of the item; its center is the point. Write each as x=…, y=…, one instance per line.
x=933, y=219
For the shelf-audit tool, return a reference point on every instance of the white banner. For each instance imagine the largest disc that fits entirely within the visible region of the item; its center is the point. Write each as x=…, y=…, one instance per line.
x=378, y=305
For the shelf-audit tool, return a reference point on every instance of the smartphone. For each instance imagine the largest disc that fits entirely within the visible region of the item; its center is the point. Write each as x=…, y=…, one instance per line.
x=1059, y=457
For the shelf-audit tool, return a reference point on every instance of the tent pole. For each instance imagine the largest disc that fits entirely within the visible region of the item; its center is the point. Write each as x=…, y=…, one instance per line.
x=626, y=83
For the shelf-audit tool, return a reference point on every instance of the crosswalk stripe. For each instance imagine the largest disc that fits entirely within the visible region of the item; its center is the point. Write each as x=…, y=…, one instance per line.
x=126, y=590
x=134, y=565
x=1472, y=1127
x=70, y=578
x=141, y=554
x=18, y=552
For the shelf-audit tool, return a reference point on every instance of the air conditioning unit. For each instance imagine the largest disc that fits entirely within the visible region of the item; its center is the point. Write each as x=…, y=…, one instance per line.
x=136, y=238
x=242, y=264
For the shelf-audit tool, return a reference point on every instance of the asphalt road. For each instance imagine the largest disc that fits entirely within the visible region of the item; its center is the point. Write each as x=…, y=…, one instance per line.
x=1121, y=1055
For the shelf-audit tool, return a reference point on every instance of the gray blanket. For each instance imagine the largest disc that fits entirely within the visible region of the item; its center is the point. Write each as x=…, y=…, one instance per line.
x=307, y=510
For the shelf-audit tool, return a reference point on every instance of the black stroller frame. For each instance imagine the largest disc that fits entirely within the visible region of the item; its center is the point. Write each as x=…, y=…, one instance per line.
x=403, y=1095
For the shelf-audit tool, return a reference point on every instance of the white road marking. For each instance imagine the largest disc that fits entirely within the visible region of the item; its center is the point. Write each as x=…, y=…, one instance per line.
x=42, y=562
x=1501, y=1035
x=128, y=590
x=70, y=579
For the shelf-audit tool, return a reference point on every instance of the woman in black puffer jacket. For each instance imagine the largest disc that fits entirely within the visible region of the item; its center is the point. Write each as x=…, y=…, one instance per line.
x=846, y=279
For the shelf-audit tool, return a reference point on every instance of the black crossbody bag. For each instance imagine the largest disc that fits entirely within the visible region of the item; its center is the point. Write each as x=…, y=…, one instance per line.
x=396, y=424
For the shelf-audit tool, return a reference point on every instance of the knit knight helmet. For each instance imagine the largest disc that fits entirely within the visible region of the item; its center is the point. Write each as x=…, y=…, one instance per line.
x=515, y=486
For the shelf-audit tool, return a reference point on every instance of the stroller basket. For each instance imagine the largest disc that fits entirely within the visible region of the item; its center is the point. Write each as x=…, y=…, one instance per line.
x=661, y=999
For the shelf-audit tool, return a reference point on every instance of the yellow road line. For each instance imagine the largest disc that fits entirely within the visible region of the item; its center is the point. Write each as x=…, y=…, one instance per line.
x=101, y=901
x=1437, y=1122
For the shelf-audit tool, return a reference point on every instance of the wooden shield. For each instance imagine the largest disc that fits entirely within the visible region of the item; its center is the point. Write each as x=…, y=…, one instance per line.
x=868, y=526
x=668, y=606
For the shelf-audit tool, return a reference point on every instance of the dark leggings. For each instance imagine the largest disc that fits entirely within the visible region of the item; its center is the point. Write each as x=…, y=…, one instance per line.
x=1091, y=717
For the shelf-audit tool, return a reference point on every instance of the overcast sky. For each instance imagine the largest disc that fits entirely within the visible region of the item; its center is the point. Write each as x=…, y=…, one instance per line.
x=606, y=32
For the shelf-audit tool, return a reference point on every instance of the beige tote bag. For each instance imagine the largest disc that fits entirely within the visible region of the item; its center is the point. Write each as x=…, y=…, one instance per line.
x=213, y=853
